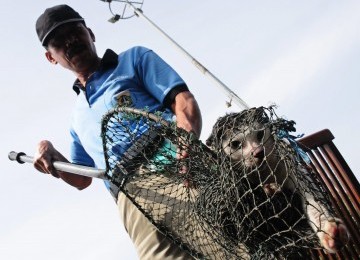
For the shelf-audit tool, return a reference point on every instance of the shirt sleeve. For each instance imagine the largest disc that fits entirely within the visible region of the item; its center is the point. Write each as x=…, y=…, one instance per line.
x=159, y=78
x=170, y=97
x=78, y=154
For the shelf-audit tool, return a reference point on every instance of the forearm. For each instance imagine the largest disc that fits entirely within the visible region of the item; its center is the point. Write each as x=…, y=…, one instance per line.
x=77, y=181
x=187, y=113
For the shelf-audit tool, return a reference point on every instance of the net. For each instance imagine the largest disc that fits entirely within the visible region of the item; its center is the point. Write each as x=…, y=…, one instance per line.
x=221, y=201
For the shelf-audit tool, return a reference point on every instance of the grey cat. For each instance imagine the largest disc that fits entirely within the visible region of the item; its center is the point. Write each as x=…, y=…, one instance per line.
x=248, y=142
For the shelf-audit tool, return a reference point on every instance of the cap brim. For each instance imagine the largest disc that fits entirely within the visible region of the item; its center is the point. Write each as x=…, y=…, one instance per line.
x=59, y=24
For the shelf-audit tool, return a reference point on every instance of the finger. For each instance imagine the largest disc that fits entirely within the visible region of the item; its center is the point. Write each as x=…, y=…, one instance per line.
x=187, y=183
x=51, y=170
x=182, y=153
x=183, y=169
x=39, y=166
x=45, y=167
x=55, y=173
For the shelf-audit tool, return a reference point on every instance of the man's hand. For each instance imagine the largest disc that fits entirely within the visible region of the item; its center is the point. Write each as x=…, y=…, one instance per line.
x=182, y=156
x=188, y=117
x=44, y=157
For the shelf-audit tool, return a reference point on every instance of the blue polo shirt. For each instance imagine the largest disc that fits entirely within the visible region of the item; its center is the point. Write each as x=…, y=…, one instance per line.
x=151, y=82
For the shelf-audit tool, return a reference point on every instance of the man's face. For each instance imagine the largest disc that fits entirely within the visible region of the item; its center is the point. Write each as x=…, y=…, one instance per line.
x=72, y=45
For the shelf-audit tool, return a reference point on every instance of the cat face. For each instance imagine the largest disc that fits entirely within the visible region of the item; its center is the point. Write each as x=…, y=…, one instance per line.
x=248, y=145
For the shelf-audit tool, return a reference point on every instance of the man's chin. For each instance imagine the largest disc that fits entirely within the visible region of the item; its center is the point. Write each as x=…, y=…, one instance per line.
x=80, y=53
x=80, y=62
x=76, y=57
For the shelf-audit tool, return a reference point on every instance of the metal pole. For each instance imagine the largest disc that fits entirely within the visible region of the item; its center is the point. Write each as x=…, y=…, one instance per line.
x=228, y=92
x=61, y=166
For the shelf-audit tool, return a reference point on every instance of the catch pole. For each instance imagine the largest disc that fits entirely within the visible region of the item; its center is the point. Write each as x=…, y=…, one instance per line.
x=228, y=92
x=61, y=166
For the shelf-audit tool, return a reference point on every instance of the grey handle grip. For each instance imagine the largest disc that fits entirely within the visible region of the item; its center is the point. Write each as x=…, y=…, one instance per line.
x=62, y=166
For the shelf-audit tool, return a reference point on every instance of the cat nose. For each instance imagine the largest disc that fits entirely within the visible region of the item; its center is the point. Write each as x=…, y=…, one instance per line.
x=258, y=152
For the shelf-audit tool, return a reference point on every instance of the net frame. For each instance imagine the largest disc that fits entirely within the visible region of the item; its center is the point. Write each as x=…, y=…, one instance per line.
x=213, y=235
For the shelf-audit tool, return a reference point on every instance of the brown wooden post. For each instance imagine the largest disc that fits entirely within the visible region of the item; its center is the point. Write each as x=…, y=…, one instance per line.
x=342, y=186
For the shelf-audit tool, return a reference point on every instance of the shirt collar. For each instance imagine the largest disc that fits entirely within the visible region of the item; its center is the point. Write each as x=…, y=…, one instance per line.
x=109, y=60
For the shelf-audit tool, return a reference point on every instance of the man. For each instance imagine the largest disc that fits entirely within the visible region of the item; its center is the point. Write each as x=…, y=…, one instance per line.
x=138, y=73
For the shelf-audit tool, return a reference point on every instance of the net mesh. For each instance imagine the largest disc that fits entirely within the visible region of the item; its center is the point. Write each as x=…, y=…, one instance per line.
x=218, y=202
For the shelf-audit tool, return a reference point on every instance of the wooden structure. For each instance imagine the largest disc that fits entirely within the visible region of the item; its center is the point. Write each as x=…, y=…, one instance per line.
x=342, y=185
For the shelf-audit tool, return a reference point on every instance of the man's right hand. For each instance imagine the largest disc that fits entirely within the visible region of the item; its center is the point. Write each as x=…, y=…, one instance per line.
x=44, y=157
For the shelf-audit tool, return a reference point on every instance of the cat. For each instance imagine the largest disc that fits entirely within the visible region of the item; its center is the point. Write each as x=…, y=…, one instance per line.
x=252, y=147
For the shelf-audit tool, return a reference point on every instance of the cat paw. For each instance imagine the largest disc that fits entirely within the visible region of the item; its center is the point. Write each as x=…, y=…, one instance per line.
x=271, y=188
x=334, y=235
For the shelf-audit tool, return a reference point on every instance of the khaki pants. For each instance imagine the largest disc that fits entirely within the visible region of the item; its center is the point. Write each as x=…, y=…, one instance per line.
x=172, y=206
x=149, y=242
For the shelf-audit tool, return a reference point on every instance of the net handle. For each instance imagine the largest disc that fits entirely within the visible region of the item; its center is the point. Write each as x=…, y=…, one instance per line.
x=227, y=91
x=61, y=166
x=21, y=157
x=80, y=169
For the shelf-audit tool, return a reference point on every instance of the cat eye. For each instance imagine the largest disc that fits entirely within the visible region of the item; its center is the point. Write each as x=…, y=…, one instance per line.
x=235, y=145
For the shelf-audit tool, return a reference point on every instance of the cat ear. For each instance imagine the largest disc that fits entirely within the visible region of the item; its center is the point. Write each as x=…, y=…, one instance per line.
x=210, y=140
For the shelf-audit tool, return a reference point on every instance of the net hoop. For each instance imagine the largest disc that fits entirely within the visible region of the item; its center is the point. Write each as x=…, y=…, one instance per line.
x=206, y=203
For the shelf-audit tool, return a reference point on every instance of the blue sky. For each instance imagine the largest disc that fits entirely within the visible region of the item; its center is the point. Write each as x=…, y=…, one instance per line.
x=302, y=55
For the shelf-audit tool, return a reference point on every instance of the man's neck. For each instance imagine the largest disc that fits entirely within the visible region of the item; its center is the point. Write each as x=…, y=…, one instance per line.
x=83, y=76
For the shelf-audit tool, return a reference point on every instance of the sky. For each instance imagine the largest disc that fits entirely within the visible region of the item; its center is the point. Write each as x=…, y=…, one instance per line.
x=303, y=56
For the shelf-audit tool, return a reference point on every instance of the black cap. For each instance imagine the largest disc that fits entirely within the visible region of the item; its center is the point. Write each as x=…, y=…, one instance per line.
x=52, y=18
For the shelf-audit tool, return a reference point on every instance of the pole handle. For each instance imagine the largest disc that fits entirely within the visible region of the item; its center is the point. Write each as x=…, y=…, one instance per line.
x=61, y=166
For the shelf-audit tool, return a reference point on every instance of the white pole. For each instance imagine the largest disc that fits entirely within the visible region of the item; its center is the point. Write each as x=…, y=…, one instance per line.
x=62, y=166
x=228, y=92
